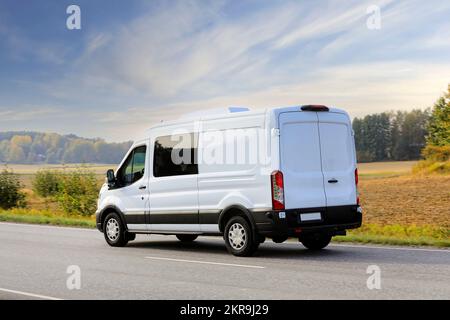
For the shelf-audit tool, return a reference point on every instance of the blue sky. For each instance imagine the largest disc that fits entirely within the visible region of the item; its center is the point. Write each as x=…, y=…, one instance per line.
x=134, y=63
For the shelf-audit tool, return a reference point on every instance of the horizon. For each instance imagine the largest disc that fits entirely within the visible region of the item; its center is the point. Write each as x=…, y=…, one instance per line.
x=133, y=64
x=149, y=127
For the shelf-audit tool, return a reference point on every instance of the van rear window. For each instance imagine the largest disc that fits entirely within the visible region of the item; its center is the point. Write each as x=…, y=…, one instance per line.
x=175, y=155
x=336, y=147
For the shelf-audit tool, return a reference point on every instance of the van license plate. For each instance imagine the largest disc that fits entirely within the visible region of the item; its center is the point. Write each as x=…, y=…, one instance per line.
x=312, y=216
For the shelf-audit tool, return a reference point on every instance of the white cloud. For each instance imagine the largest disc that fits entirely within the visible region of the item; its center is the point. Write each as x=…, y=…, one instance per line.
x=187, y=55
x=358, y=88
x=186, y=47
x=27, y=113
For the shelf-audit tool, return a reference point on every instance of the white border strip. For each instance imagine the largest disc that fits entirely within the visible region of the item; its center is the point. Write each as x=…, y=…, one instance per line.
x=207, y=262
x=29, y=294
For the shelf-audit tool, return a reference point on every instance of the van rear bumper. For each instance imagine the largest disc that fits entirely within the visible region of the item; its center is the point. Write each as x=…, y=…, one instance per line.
x=333, y=220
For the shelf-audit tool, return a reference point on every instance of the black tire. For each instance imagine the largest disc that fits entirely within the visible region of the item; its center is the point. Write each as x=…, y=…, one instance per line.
x=187, y=237
x=114, y=231
x=242, y=243
x=316, y=241
x=279, y=239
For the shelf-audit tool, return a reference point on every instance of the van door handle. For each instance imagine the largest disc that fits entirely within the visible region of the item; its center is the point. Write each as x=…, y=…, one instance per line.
x=142, y=187
x=332, y=181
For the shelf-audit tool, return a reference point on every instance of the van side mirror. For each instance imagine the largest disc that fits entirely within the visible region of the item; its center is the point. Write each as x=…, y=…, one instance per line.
x=110, y=177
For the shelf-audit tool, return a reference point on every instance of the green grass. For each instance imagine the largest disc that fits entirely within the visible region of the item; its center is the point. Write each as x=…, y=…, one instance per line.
x=46, y=217
x=391, y=240
x=410, y=235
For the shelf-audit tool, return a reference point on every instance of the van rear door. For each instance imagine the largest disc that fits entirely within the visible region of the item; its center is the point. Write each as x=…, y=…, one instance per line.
x=338, y=159
x=301, y=161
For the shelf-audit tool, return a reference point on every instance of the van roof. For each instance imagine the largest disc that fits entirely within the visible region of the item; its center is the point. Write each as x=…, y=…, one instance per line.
x=232, y=112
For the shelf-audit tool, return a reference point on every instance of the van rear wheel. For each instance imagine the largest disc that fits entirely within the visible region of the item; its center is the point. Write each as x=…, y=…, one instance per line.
x=316, y=241
x=239, y=237
x=187, y=237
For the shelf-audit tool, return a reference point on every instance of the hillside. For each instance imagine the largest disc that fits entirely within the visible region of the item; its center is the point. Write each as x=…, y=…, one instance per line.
x=23, y=147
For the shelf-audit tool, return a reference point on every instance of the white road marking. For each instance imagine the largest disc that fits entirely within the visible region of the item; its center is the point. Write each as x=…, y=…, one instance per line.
x=207, y=262
x=29, y=294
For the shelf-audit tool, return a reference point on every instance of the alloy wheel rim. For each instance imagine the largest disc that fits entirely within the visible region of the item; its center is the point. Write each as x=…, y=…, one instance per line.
x=237, y=236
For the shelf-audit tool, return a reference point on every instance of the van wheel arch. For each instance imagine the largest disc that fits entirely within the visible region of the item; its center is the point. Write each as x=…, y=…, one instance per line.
x=110, y=209
x=236, y=210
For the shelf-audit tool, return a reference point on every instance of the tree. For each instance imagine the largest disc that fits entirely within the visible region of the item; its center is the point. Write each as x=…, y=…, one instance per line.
x=410, y=138
x=437, y=150
x=16, y=154
x=439, y=126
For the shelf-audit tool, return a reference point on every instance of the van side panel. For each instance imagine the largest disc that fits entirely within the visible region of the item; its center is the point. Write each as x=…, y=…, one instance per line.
x=233, y=166
x=173, y=199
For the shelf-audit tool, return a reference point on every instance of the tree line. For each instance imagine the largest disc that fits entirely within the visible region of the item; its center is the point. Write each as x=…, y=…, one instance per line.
x=406, y=135
x=36, y=147
x=391, y=136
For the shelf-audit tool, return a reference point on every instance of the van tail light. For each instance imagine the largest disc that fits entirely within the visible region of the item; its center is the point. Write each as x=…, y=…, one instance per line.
x=276, y=179
x=314, y=107
x=356, y=184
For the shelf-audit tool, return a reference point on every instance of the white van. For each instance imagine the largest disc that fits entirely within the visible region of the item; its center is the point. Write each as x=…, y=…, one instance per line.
x=246, y=175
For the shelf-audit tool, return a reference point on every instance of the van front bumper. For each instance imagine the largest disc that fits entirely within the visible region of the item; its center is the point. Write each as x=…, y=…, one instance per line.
x=289, y=223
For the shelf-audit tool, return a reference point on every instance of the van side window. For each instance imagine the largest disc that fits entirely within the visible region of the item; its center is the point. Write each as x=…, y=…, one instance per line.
x=133, y=168
x=175, y=155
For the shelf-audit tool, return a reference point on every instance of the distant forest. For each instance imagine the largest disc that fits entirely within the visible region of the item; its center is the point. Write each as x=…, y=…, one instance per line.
x=35, y=147
x=379, y=137
x=391, y=136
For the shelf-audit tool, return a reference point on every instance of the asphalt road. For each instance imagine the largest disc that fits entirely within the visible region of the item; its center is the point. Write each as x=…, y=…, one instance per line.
x=34, y=261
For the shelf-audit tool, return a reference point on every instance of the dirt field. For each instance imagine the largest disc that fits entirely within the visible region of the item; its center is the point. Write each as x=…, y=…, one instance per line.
x=385, y=168
x=419, y=200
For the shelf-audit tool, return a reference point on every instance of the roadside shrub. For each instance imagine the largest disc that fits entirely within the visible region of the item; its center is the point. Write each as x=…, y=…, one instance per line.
x=10, y=194
x=47, y=183
x=77, y=192
x=431, y=167
x=437, y=161
x=436, y=153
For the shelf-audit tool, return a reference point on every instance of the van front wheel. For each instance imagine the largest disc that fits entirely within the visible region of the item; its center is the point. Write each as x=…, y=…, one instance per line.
x=114, y=231
x=316, y=241
x=239, y=238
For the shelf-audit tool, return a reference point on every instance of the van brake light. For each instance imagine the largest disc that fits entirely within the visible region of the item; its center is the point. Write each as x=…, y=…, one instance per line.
x=276, y=179
x=314, y=107
x=356, y=184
